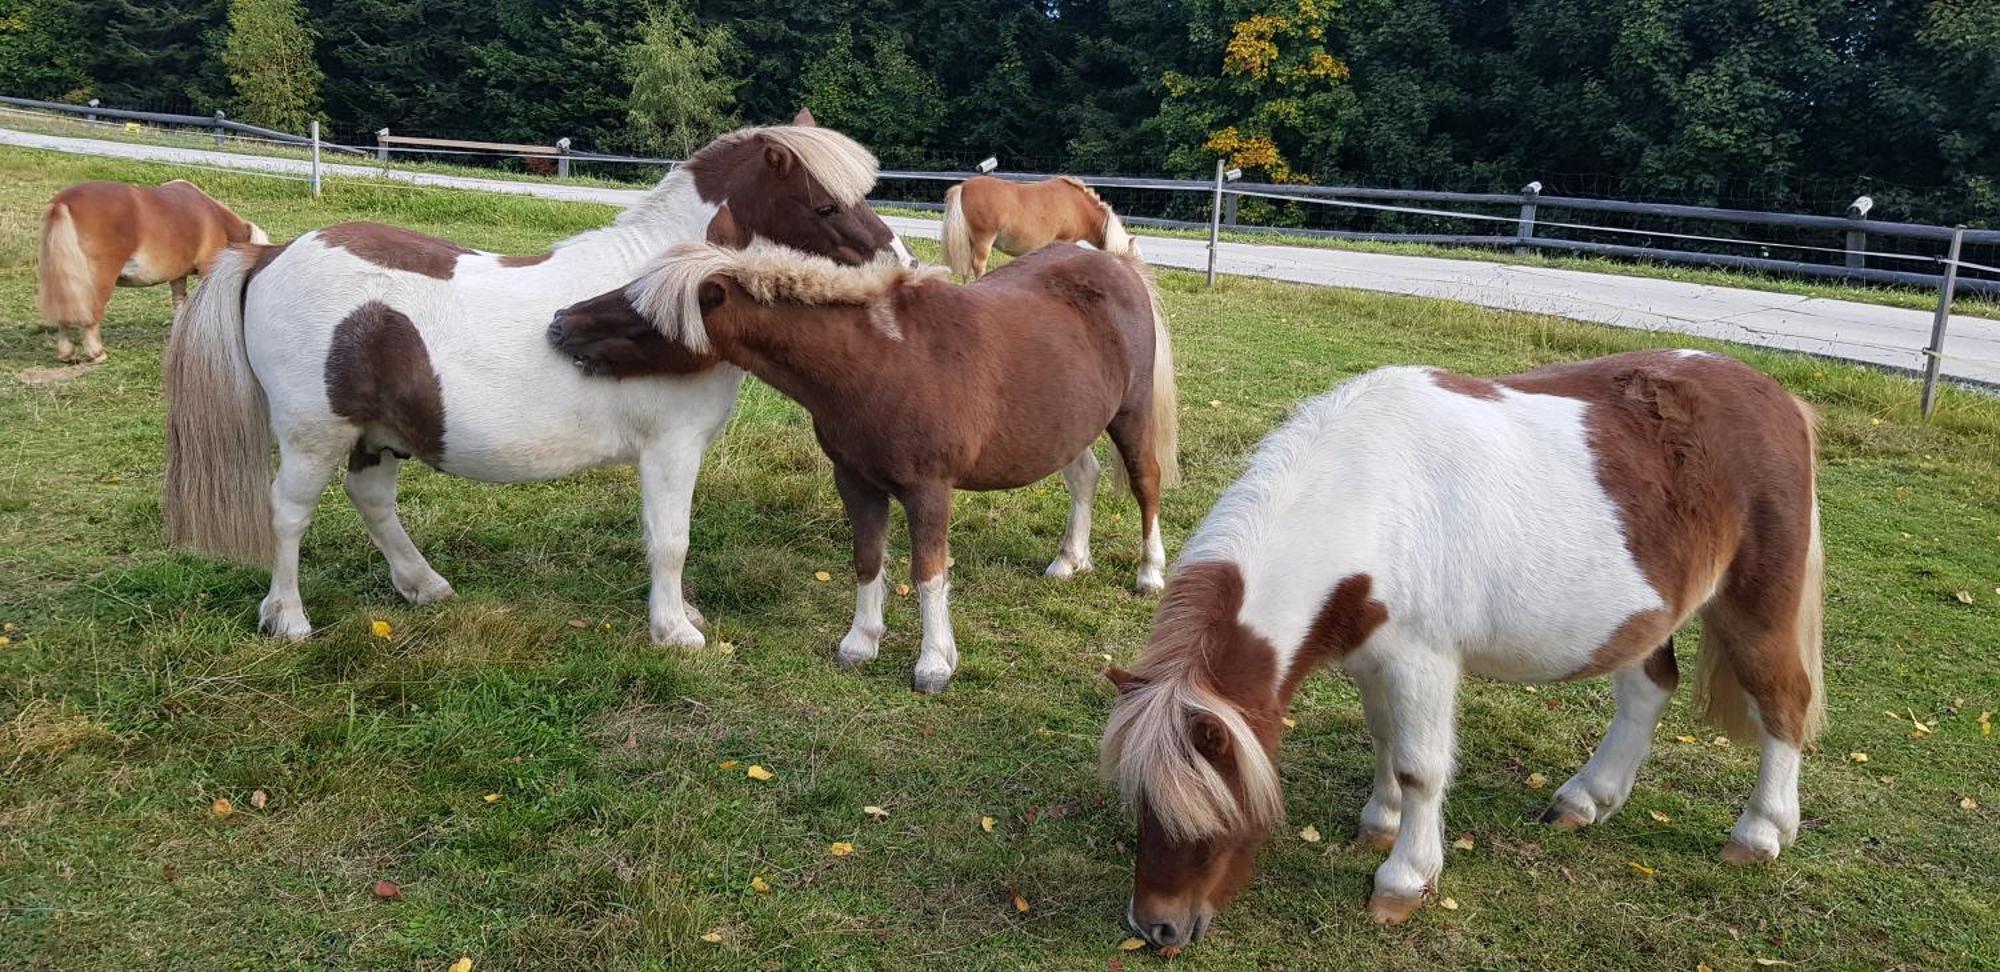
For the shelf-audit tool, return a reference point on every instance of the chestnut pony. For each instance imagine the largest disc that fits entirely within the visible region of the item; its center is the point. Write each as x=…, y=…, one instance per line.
x=373, y=344
x=1414, y=526
x=1021, y=217
x=100, y=235
x=918, y=387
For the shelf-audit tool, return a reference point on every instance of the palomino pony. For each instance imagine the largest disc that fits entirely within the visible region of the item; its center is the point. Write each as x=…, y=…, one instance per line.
x=918, y=387
x=1414, y=526
x=373, y=344
x=99, y=235
x=1021, y=217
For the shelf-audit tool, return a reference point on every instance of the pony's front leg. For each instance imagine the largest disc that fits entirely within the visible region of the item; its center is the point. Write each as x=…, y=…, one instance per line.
x=666, y=489
x=1602, y=785
x=929, y=511
x=868, y=515
x=372, y=489
x=303, y=471
x=1420, y=687
x=1080, y=478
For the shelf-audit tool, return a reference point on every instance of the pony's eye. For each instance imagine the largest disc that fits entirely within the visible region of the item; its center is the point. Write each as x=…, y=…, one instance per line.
x=827, y=210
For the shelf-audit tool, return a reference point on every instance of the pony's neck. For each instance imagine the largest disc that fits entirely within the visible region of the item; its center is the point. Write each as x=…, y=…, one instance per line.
x=806, y=353
x=672, y=212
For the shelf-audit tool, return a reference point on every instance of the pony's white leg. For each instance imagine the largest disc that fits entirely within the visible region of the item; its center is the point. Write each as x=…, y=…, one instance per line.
x=868, y=515
x=65, y=351
x=304, y=469
x=1153, y=565
x=1420, y=687
x=1602, y=785
x=1382, y=817
x=929, y=510
x=1771, y=821
x=372, y=489
x=1080, y=478
x=666, y=487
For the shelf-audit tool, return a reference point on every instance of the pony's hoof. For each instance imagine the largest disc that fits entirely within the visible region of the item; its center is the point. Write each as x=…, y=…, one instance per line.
x=929, y=683
x=1743, y=855
x=694, y=617
x=1392, y=908
x=1150, y=582
x=290, y=628
x=428, y=590
x=1375, y=838
x=856, y=649
x=682, y=635
x=1063, y=568
x=1564, y=818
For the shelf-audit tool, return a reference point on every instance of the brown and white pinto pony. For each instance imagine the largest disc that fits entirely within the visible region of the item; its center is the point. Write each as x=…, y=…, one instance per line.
x=918, y=387
x=1415, y=526
x=371, y=344
x=1021, y=217
x=100, y=235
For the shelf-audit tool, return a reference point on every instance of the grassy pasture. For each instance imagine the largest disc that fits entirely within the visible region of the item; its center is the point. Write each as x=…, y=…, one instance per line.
x=134, y=692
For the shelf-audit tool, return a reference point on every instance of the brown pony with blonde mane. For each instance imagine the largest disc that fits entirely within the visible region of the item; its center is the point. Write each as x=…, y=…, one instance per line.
x=983, y=212
x=918, y=387
x=100, y=235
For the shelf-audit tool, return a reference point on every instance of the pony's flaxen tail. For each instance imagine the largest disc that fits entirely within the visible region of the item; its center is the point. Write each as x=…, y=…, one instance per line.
x=218, y=479
x=1166, y=437
x=66, y=295
x=957, y=234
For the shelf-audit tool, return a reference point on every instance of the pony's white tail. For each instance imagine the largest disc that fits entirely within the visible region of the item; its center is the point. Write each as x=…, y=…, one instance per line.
x=218, y=479
x=1718, y=694
x=957, y=234
x=67, y=296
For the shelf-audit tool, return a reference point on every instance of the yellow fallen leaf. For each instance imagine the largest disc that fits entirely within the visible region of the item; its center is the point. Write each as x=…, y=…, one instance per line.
x=1719, y=741
x=902, y=590
x=1871, y=422
x=724, y=647
x=491, y=798
x=1659, y=817
x=221, y=807
x=840, y=848
x=1964, y=597
x=1857, y=757
x=464, y=964
x=822, y=576
x=606, y=626
x=986, y=824
x=876, y=812
x=5, y=641
x=1291, y=723
x=1536, y=781
x=1770, y=962
x=712, y=937
x=1131, y=945
x=1686, y=740
x=727, y=764
x=1020, y=903
x=8, y=627
x=1465, y=842
x=1968, y=803
x=1641, y=868
x=1448, y=904
x=758, y=773
x=1986, y=723
x=1310, y=834
x=381, y=629
x=759, y=885
x=1704, y=966
x=258, y=799
x=1215, y=403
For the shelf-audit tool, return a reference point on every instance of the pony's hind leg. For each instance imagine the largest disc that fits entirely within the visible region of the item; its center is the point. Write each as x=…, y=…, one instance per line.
x=1605, y=781
x=1419, y=689
x=1080, y=478
x=179, y=286
x=371, y=486
x=1382, y=817
x=65, y=350
x=305, y=466
x=868, y=515
x=666, y=488
x=1760, y=664
x=1130, y=433
x=929, y=509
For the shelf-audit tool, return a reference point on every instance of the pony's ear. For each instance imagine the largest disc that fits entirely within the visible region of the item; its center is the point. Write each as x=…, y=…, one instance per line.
x=723, y=231
x=713, y=292
x=1124, y=680
x=1209, y=735
x=780, y=159
x=805, y=119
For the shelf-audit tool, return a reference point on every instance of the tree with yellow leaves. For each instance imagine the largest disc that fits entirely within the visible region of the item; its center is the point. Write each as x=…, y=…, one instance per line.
x=1278, y=107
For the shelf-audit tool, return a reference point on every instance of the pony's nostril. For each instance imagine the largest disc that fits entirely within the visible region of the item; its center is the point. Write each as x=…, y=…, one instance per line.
x=1166, y=933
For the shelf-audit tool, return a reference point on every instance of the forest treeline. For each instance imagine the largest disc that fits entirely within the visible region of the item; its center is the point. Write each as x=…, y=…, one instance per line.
x=1781, y=103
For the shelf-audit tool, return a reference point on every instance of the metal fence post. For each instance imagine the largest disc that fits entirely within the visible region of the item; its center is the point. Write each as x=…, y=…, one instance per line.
x=381, y=147
x=219, y=116
x=562, y=159
x=1229, y=209
x=1934, y=354
x=1215, y=222
x=1857, y=239
x=1525, y=231
x=91, y=116
x=315, y=138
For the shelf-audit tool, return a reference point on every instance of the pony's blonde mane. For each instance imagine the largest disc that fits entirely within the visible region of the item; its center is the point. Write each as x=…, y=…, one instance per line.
x=840, y=165
x=1149, y=749
x=668, y=293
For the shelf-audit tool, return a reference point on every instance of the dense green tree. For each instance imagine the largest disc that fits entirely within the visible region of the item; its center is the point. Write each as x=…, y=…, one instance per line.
x=681, y=96
x=43, y=53
x=269, y=55
x=887, y=100
x=157, y=53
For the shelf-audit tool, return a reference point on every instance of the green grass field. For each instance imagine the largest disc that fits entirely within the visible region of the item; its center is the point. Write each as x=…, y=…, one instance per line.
x=550, y=790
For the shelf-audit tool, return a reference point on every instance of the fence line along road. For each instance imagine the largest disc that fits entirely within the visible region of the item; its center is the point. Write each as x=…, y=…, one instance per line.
x=1888, y=337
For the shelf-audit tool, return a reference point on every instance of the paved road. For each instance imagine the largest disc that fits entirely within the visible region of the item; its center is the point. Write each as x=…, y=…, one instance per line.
x=1885, y=336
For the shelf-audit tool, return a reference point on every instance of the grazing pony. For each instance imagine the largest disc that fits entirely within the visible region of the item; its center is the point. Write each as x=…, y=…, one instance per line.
x=1021, y=217
x=99, y=235
x=918, y=387
x=1414, y=526
x=374, y=344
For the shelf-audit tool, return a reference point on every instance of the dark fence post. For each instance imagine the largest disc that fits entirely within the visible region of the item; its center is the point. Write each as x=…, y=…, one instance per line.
x=219, y=118
x=562, y=159
x=1525, y=233
x=1229, y=208
x=1215, y=221
x=1934, y=354
x=381, y=147
x=1857, y=239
